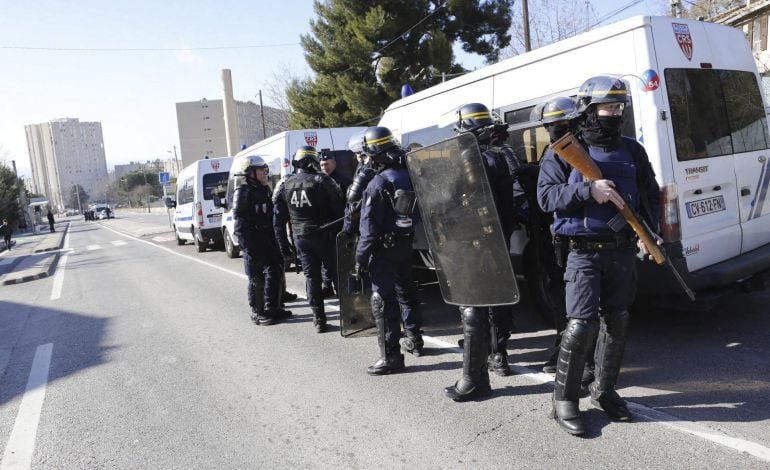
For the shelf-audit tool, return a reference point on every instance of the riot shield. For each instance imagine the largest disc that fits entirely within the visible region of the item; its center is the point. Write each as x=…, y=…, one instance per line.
x=356, y=317
x=461, y=223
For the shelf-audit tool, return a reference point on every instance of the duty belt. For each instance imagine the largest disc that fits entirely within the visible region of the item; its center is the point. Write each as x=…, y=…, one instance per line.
x=388, y=240
x=600, y=244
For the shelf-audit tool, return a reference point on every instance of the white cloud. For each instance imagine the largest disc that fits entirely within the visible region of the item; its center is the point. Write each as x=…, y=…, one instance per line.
x=188, y=57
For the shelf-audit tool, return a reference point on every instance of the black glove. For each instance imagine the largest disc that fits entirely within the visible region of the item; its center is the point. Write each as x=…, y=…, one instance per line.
x=359, y=270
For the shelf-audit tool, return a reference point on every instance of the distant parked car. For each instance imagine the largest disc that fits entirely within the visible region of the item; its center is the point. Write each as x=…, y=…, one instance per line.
x=104, y=212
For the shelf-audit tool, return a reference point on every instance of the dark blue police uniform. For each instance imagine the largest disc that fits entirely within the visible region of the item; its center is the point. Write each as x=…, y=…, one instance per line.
x=385, y=246
x=309, y=199
x=253, y=216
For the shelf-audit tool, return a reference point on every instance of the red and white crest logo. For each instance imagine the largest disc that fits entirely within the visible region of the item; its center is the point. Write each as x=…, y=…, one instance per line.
x=215, y=166
x=683, y=37
x=311, y=138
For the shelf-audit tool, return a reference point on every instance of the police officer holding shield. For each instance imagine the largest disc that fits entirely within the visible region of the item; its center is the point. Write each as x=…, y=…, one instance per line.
x=309, y=199
x=486, y=329
x=385, y=250
x=253, y=214
x=600, y=274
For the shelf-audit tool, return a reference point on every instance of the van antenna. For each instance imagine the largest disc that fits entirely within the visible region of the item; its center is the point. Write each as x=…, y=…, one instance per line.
x=331, y=136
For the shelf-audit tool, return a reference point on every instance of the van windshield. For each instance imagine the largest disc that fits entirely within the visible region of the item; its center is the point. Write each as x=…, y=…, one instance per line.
x=715, y=112
x=214, y=183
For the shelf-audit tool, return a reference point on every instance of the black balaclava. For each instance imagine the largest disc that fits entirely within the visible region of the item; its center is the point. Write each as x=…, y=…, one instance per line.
x=557, y=130
x=602, y=131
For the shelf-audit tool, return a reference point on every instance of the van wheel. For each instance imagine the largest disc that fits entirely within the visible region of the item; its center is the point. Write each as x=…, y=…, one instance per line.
x=545, y=283
x=179, y=241
x=200, y=247
x=230, y=248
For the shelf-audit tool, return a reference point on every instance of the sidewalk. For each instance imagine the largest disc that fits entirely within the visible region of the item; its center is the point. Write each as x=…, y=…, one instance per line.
x=32, y=256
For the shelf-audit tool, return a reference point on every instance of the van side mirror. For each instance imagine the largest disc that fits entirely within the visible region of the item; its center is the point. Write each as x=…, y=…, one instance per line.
x=170, y=203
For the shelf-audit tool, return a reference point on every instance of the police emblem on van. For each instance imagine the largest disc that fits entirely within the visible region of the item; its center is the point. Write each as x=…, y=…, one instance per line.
x=683, y=37
x=311, y=138
x=215, y=166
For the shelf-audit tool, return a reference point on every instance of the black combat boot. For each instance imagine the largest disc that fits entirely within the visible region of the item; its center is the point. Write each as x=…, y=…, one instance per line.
x=498, y=363
x=257, y=299
x=319, y=319
x=391, y=360
x=475, y=380
x=609, y=353
x=288, y=296
x=569, y=370
x=412, y=343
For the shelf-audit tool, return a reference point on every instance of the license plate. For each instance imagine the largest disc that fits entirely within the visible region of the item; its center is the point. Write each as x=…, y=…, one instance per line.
x=215, y=218
x=705, y=206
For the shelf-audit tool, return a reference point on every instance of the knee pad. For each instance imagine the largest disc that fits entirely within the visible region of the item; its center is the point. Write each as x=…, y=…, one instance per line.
x=378, y=305
x=579, y=333
x=473, y=316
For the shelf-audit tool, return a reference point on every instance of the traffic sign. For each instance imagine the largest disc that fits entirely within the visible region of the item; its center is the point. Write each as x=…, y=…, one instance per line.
x=164, y=177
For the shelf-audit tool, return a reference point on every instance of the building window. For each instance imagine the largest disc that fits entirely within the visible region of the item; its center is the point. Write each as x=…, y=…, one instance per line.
x=756, y=35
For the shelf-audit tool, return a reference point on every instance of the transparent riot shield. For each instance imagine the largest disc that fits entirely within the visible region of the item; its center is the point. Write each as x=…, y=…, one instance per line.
x=356, y=317
x=461, y=223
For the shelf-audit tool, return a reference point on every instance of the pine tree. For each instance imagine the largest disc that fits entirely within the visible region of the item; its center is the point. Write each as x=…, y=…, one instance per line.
x=363, y=51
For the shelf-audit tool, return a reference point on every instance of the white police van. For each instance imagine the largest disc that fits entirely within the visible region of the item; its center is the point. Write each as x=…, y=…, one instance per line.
x=195, y=217
x=277, y=151
x=697, y=107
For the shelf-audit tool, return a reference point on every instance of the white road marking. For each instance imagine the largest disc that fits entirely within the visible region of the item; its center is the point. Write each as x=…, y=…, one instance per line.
x=21, y=444
x=120, y=242
x=58, y=278
x=642, y=411
x=93, y=247
x=647, y=413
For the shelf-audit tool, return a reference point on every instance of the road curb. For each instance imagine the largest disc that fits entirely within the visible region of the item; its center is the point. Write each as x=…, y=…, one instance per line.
x=32, y=277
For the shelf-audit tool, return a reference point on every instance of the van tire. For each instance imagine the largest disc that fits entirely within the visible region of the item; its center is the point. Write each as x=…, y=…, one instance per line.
x=179, y=241
x=231, y=250
x=545, y=289
x=200, y=247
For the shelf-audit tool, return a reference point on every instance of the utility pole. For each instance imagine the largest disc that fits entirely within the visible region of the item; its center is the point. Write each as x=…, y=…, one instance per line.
x=262, y=113
x=77, y=195
x=676, y=8
x=525, y=20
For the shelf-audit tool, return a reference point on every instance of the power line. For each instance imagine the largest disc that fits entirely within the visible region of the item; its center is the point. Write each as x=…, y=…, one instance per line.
x=144, y=49
x=616, y=12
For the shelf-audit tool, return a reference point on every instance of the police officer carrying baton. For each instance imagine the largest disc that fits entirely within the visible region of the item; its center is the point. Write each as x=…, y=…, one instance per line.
x=253, y=214
x=309, y=199
x=600, y=274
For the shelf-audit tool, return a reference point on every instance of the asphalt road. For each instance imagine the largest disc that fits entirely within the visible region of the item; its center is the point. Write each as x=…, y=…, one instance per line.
x=140, y=354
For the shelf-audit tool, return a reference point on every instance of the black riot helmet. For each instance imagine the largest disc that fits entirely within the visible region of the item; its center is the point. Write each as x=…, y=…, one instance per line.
x=306, y=157
x=472, y=117
x=557, y=110
x=601, y=89
x=381, y=146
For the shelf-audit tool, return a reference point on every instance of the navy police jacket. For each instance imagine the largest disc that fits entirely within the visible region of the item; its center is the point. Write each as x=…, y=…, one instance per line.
x=501, y=183
x=562, y=191
x=253, y=215
x=378, y=216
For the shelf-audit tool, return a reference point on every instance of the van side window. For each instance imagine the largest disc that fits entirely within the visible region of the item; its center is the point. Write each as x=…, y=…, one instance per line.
x=185, y=192
x=214, y=183
x=715, y=112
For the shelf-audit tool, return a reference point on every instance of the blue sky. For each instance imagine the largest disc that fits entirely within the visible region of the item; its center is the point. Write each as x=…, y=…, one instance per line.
x=133, y=93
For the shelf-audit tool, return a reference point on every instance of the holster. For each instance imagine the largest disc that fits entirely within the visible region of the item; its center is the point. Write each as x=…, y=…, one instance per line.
x=561, y=250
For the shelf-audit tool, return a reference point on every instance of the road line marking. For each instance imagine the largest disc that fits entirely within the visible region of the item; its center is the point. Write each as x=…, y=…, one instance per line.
x=645, y=412
x=120, y=242
x=21, y=444
x=58, y=278
x=93, y=247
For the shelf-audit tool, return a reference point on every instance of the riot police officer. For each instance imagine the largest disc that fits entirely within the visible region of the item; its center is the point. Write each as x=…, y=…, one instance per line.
x=558, y=118
x=355, y=191
x=253, y=214
x=309, y=199
x=329, y=167
x=600, y=274
x=486, y=329
x=385, y=250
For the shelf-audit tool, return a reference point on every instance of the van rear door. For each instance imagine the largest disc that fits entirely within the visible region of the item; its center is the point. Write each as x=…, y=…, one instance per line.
x=749, y=135
x=699, y=140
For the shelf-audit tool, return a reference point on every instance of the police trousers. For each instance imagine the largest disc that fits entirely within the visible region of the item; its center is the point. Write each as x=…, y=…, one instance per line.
x=391, y=272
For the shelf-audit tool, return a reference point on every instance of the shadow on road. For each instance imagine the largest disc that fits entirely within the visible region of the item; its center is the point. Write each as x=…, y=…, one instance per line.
x=77, y=343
